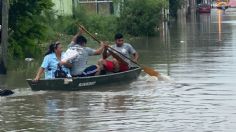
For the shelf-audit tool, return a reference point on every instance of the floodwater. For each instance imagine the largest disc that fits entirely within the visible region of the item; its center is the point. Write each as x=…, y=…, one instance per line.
x=198, y=53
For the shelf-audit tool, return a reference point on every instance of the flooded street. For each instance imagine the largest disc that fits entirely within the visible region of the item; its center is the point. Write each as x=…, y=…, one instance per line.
x=198, y=53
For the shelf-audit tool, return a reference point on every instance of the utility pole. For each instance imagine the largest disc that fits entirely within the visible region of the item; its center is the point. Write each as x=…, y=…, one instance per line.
x=97, y=7
x=73, y=8
x=4, y=36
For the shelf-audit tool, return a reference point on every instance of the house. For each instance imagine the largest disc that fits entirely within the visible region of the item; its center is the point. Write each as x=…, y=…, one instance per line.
x=103, y=7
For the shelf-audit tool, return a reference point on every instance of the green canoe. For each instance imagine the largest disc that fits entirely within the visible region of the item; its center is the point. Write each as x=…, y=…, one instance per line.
x=79, y=83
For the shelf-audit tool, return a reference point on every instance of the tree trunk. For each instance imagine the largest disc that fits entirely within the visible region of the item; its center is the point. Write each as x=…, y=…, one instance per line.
x=4, y=36
x=73, y=8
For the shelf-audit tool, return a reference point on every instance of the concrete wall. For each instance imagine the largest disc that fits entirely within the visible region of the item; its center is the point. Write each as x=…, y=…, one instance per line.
x=63, y=7
x=104, y=7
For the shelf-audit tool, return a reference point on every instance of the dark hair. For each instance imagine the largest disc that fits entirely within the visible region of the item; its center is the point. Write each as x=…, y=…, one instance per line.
x=118, y=36
x=80, y=40
x=52, y=47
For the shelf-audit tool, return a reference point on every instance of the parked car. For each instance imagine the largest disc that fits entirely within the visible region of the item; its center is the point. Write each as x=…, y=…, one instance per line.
x=204, y=8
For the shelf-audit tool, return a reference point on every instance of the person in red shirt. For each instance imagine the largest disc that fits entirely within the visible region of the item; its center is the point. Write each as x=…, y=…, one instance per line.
x=118, y=63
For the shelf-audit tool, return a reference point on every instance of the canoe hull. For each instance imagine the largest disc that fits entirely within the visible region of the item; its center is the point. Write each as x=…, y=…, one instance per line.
x=80, y=83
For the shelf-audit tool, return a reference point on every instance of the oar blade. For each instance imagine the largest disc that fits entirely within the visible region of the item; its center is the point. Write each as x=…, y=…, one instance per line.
x=150, y=71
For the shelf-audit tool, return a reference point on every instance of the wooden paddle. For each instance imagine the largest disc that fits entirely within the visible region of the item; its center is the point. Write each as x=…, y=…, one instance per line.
x=150, y=71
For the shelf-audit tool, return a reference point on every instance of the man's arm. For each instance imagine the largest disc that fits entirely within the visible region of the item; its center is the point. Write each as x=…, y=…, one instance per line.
x=81, y=30
x=136, y=56
x=134, y=53
x=100, y=49
x=39, y=73
x=66, y=64
x=105, y=53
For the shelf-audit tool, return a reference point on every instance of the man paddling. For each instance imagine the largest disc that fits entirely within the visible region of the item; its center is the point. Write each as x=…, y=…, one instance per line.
x=78, y=53
x=118, y=63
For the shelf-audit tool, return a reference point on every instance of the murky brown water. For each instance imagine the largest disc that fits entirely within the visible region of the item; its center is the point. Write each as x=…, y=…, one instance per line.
x=199, y=54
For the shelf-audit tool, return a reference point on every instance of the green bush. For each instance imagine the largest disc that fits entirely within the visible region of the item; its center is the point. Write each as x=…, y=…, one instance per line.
x=34, y=25
x=104, y=26
x=140, y=17
x=27, y=28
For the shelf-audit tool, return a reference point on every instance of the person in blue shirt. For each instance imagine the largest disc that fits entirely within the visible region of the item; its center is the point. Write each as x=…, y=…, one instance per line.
x=51, y=61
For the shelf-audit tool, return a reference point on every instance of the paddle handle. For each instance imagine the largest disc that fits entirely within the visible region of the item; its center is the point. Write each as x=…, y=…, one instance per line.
x=89, y=33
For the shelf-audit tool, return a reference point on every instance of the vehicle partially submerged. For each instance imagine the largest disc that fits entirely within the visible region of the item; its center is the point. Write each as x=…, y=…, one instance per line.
x=204, y=8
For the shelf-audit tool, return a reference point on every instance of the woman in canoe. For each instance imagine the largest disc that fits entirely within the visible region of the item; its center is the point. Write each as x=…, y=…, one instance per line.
x=50, y=64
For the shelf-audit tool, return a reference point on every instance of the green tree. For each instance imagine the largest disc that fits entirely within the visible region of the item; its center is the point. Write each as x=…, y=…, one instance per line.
x=140, y=17
x=27, y=27
x=105, y=26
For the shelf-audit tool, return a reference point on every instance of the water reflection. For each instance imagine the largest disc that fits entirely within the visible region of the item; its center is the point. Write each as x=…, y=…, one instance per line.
x=219, y=12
